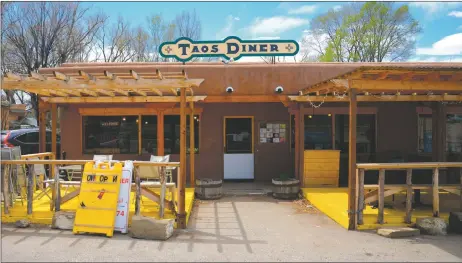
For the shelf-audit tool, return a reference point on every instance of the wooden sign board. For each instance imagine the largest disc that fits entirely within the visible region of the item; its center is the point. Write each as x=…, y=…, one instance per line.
x=99, y=193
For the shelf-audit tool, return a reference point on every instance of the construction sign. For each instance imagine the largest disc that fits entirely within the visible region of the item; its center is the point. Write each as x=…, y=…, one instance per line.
x=98, y=198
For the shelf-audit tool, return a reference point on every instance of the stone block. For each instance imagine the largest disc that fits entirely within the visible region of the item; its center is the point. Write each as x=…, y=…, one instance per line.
x=455, y=222
x=23, y=223
x=398, y=232
x=150, y=228
x=208, y=189
x=63, y=220
x=432, y=226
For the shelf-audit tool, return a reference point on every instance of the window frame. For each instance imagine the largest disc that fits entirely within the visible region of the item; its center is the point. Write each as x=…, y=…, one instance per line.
x=428, y=111
x=86, y=112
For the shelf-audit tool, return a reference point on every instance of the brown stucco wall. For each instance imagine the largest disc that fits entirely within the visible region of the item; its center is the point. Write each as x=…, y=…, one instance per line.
x=396, y=132
x=270, y=159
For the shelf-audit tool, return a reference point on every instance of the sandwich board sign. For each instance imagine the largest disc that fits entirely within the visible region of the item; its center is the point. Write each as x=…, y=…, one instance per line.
x=123, y=202
x=99, y=192
x=184, y=49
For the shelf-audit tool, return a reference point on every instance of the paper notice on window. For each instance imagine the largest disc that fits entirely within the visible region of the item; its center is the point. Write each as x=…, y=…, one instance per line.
x=275, y=140
x=269, y=134
x=282, y=126
x=263, y=140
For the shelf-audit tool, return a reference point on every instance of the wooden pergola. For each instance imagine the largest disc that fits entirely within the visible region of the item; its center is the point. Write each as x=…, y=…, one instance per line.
x=55, y=88
x=380, y=84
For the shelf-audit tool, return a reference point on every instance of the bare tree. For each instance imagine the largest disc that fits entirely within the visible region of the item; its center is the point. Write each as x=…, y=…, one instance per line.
x=141, y=45
x=115, y=42
x=44, y=34
x=188, y=25
x=159, y=31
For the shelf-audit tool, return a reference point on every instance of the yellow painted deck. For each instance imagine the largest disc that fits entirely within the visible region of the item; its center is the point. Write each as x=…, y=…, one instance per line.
x=334, y=203
x=41, y=213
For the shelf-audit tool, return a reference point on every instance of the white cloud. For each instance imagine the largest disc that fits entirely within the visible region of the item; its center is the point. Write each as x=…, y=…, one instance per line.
x=456, y=14
x=306, y=9
x=434, y=7
x=337, y=7
x=449, y=45
x=227, y=30
x=274, y=25
x=268, y=38
x=436, y=59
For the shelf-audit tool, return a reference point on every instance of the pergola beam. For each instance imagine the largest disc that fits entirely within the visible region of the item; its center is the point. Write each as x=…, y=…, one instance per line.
x=363, y=98
x=61, y=76
x=133, y=99
x=37, y=76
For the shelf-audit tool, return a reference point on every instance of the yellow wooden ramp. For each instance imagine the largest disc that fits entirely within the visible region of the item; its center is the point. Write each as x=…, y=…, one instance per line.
x=98, y=198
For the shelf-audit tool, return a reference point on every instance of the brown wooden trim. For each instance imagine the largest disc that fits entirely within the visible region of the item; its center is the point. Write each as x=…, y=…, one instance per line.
x=132, y=111
x=54, y=127
x=301, y=147
x=352, y=161
x=246, y=98
x=192, y=151
x=160, y=134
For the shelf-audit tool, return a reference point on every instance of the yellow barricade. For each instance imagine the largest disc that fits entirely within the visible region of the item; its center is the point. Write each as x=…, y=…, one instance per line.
x=98, y=197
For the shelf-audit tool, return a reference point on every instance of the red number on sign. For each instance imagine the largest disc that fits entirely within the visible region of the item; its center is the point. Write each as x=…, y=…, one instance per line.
x=125, y=180
x=121, y=213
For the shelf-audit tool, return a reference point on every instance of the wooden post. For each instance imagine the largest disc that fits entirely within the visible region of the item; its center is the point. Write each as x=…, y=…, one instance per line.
x=301, y=145
x=181, y=216
x=140, y=127
x=352, y=158
x=408, y=196
x=57, y=191
x=162, y=192
x=360, y=195
x=5, y=184
x=192, y=151
x=436, y=195
x=381, y=195
x=160, y=134
x=30, y=189
x=439, y=137
x=297, y=145
x=42, y=131
x=138, y=191
x=54, y=127
x=460, y=171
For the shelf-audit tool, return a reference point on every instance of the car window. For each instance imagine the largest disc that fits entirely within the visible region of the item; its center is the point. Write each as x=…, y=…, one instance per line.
x=30, y=137
x=48, y=137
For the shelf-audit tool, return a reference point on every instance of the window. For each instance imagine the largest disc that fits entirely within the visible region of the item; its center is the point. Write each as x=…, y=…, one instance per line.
x=30, y=137
x=365, y=133
x=149, y=134
x=172, y=134
x=110, y=134
x=318, y=132
x=453, y=133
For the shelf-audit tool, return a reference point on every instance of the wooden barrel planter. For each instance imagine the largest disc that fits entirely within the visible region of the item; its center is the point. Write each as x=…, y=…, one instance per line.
x=286, y=188
x=208, y=189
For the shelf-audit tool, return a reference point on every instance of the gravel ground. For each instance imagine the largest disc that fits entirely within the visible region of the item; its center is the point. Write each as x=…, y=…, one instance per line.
x=234, y=229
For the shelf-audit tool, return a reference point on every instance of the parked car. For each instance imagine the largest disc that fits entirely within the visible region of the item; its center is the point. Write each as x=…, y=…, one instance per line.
x=28, y=140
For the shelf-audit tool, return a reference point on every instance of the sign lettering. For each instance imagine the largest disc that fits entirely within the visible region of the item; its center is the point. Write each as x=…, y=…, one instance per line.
x=114, y=179
x=90, y=178
x=184, y=49
x=124, y=181
x=103, y=178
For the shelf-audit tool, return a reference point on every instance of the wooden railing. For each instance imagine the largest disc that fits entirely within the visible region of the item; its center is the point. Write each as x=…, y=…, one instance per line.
x=380, y=194
x=55, y=183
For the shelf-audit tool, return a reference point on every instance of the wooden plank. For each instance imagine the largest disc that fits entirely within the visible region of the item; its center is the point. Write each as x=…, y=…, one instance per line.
x=5, y=170
x=435, y=192
x=301, y=143
x=155, y=197
x=387, y=97
x=322, y=174
x=192, y=150
x=30, y=189
x=162, y=193
x=297, y=145
x=159, y=74
x=310, y=182
x=322, y=154
x=386, y=193
x=381, y=195
x=160, y=134
x=61, y=76
x=360, y=196
x=139, y=134
x=54, y=127
x=138, y=191
x=322, y=166
x=120, y=99
x=42, y=130
x=37, y=76
x=13, y=76
x=408, y=196
x=57, y=191
x=70, y=196
x=181, y=220
x=352, y=160
x=86, y=76
x=404, y=166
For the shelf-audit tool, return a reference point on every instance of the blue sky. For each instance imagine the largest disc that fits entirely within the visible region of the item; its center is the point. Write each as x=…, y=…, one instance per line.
x=441, y=39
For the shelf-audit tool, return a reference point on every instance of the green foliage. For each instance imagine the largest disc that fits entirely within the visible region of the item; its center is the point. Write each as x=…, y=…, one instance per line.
x=366, y=32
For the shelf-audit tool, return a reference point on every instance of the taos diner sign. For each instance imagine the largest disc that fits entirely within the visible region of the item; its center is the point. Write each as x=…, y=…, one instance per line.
x=184, y=49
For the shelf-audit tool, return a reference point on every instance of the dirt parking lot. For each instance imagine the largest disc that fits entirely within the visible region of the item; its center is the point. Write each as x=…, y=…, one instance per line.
x=238, y=228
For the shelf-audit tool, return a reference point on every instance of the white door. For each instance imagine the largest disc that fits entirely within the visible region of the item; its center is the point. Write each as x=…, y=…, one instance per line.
x=238, y=150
